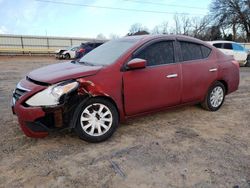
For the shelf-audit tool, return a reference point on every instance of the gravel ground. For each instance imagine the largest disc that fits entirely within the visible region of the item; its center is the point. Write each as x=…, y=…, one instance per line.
x=184, y=147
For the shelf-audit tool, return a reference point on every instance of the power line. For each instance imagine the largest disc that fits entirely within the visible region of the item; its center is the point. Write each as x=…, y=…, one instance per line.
x=114, y=8
x=164, y=4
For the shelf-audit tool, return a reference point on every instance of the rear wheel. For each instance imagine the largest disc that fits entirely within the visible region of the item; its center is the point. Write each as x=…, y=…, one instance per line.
x=248, y=61
x=67, y=56
x=215, y=97
x=97, y=120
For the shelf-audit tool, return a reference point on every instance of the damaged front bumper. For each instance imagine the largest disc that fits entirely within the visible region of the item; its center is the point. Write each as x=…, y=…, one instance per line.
x=38, y=121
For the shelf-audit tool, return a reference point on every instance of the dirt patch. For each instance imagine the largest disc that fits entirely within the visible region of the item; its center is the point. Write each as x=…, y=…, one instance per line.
x=184, y=147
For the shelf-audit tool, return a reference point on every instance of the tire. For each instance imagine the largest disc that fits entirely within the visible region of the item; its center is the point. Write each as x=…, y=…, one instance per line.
x=215, y=97
x=67, y=56
x=248, y=61
x=93, y=125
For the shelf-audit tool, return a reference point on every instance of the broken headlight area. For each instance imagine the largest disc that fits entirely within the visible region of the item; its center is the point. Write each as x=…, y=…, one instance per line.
x=52, y=95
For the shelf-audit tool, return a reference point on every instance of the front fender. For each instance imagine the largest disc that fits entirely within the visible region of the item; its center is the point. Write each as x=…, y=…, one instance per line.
x=90, y=88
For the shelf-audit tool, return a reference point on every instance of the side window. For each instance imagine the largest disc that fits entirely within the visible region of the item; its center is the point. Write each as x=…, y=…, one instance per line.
x=190, y=51
x=92, y=45
x=158, y=53
x=228, y=46
x=98, y=44
x=238, y=47
x=205, y=51
x=218, y=45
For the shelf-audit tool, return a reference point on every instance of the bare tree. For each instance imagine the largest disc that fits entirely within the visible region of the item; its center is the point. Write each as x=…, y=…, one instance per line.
x=114, y=36
x=232, y=13
x=156, y=30
x=100, y=36
x=182, y=24
x=177, y=24
x=186, y=25
x=200, y=26
x=164, y=27
x=137, y=28
x=160, y=29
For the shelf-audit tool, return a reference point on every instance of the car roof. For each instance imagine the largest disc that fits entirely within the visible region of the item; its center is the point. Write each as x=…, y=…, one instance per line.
x=162, y=36
x=221, y=41
x=154, y=36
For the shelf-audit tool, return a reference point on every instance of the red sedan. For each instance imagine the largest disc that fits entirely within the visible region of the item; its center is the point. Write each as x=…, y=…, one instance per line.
x=120, y=79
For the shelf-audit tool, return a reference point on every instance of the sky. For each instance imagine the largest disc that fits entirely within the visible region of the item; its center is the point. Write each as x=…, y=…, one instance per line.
x=83, y=18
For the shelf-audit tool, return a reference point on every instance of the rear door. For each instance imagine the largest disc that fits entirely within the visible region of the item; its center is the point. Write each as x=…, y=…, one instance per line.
x=156, y=86
x=198, y=70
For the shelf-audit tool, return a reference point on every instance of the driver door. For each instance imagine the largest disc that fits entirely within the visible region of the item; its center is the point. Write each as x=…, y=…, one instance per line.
x=156, y=86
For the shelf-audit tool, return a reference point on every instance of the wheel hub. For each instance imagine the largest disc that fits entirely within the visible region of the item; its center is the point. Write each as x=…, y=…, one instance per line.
x=216, y=97
x=96, y=119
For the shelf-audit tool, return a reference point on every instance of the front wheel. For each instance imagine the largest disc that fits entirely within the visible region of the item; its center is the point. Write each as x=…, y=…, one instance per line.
x=215, y=97
x=97, y=120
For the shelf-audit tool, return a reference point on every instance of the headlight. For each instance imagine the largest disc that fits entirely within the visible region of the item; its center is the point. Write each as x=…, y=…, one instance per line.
x=52, y=94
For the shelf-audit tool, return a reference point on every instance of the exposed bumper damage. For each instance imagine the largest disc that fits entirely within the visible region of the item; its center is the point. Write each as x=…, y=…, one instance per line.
x=37, y=122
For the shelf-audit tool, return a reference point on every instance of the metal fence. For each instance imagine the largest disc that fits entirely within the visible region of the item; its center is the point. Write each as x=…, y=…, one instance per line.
x=20, y=44
x=25, y=44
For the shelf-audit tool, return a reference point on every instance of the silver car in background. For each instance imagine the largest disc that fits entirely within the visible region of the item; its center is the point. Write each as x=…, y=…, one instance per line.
x=241, y=54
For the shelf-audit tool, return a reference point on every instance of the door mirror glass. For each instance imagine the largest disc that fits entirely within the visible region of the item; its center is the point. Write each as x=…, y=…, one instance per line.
x=136, y=63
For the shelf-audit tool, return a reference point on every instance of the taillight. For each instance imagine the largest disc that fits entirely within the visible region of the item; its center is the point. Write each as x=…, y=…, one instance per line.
x=236, y=63
x=81, y=50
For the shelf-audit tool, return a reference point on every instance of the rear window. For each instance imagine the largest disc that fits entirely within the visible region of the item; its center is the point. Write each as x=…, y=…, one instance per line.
x=228, y=46
x=218, y=45
x=190, y=51
x=98, y=44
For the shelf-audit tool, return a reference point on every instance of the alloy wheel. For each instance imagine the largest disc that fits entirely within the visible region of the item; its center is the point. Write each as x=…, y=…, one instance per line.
x=96, y=119
x=216, y=96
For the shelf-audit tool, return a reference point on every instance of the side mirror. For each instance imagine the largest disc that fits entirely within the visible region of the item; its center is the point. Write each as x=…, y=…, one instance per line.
x=136, y=63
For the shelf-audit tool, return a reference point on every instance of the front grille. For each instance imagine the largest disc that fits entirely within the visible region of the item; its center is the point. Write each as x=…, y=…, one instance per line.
x=19, y=92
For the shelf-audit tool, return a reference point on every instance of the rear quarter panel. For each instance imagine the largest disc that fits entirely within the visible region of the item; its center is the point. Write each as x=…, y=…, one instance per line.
x=228, y=72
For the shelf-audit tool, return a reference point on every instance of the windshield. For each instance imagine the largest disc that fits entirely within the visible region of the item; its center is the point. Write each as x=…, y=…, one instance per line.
x=109, y=52
x=69, y=48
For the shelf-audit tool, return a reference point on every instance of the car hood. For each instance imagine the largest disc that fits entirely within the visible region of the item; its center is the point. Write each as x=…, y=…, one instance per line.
x=57, y=51
x=66, y=51
x=62, y=71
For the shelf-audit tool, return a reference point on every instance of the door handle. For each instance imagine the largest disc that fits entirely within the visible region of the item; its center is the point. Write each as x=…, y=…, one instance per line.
x=213, y=70
x=172, y=75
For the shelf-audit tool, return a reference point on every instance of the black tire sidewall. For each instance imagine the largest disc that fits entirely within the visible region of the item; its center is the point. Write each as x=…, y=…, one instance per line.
x=82, y=134
x=209, y=105
x=67, y=56
x=248, y=61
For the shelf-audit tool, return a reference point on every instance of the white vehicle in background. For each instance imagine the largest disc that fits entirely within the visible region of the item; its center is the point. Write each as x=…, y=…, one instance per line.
x=70, y=52
x=58, y=53
x=240, y=54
